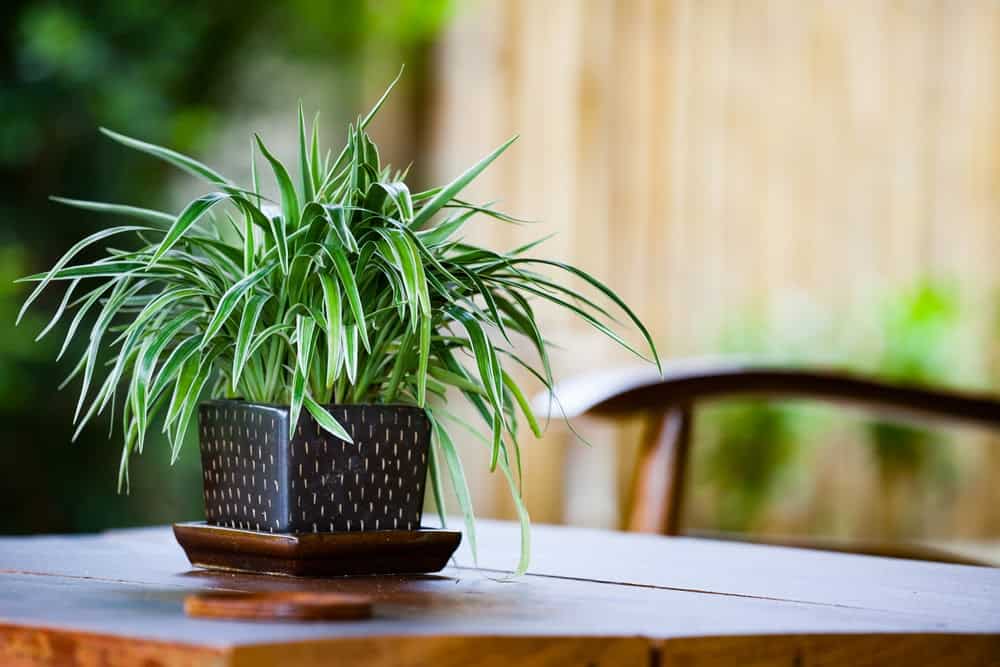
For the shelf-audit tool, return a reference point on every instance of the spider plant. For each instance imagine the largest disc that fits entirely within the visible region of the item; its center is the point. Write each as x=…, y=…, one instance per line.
x=349, y=288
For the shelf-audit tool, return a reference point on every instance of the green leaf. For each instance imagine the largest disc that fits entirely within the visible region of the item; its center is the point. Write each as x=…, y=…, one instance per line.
x=175, y=360
x=448, y=192
x=190, y=165
x=298, y=396
x=334, y=325
x=229, y=301
x=248, y=324
x=191, y=214
x=249, y=245
x=314, y=159
x=162, y=302
x=289, y=200
x=456, y=380
x=144, y=214
x=412, y=264
x=523, y=519
x=399, y=195
x=185, y=378
x=458, y=482
x=99, y=269
x=304, y=167
x=326, y=420
x=338, y=220
x=122, y=291
x=486, y=361
x=350, y=286
x=275, y=226
x=148, y=356
x=189, y=405
x=442, y=232
x=378, y=105
x=304, y=329
x=59, y=311
x=423, y=360
x=81, y=313
x=266, y=334
x=57, y=272
x=606, y=291
x=351, y=351
x=437, y=488
x=253, y=172
x=523, y=403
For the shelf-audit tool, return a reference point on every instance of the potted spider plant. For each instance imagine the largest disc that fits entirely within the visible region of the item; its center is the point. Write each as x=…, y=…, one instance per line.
x=325, y=327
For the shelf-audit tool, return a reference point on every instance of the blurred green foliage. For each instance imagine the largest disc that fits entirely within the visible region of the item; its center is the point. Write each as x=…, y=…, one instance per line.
x=165, y=72
x=20, y=353
x=752, y=448
x=919, y=347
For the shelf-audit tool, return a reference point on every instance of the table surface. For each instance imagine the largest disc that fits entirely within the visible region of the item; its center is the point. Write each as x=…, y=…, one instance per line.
x=590, y=598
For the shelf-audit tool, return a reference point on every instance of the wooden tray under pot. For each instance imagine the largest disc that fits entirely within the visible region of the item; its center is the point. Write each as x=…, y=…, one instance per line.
x=317, y=554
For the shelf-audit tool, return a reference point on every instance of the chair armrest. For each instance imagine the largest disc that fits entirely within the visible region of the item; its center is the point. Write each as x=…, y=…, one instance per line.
x=626, y=391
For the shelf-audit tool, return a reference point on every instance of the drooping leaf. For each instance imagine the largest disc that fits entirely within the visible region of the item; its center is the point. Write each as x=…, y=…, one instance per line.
x=427, y=211
x=58, y=273
x=458, y=482
x=297, y=398
x=423, y=360
x=326, y=421
x=145, y=214
x=187, y=219
x=190, y=165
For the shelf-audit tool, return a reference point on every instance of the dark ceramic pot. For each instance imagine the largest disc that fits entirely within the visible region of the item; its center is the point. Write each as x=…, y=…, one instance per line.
x=256, y=478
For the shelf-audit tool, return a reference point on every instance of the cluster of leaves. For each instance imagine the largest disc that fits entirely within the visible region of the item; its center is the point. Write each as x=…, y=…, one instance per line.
x=350, y=289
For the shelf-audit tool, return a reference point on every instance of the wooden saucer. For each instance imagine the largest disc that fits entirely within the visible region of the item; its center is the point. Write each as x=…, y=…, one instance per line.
x=295, y=606
x=317, y=554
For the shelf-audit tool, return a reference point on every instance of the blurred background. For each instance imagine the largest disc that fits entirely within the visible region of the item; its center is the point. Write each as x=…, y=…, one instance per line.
x=810, y=183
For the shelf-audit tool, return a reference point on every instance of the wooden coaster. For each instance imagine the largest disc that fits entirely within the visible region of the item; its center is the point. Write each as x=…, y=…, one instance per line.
x=317, y=554
x=301, y=606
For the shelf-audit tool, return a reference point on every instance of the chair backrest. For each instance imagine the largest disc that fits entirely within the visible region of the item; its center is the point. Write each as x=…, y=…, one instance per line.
x=658, y=482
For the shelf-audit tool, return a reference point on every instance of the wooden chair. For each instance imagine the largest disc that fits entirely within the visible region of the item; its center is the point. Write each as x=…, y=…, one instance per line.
x=657, y=489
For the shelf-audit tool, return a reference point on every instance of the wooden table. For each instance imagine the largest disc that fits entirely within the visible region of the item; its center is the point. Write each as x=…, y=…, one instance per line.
x=591, y=598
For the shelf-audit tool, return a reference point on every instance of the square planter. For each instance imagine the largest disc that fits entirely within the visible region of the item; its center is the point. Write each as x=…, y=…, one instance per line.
x=257, y=478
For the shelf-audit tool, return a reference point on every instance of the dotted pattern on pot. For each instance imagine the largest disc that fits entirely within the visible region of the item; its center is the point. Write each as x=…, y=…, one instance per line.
x=255, y=479
x=374, y=483
x=244, y=478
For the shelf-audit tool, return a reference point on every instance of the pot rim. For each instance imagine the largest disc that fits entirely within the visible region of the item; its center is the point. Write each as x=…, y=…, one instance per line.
x=285, y=406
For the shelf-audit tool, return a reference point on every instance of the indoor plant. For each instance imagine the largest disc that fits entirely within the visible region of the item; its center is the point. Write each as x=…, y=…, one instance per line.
x=347, y=291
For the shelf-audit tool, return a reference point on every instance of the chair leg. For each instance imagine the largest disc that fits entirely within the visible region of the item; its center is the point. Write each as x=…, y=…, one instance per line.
x=658, y=485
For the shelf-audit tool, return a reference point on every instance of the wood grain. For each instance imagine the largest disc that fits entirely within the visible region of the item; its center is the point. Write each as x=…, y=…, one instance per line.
x=842, y=650
x=488, y=651
x=278, y=606
x=592, y=597
x=657, y=489
x=35, y=646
